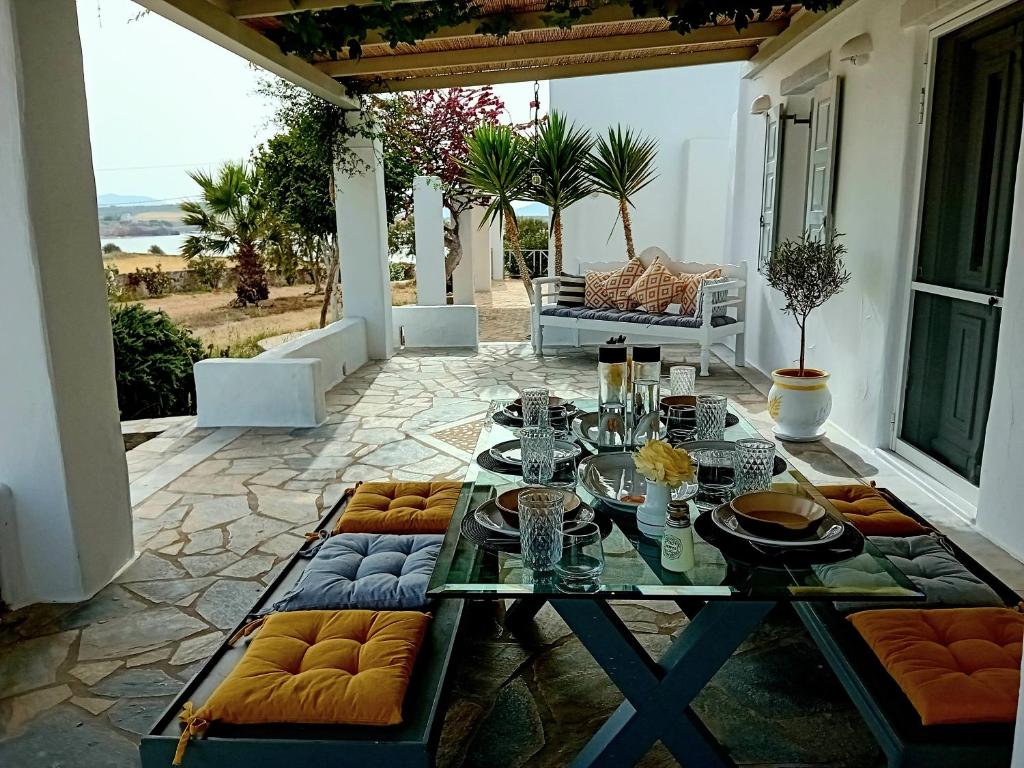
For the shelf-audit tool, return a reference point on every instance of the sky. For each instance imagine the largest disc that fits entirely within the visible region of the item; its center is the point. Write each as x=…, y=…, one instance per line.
x=163, y=100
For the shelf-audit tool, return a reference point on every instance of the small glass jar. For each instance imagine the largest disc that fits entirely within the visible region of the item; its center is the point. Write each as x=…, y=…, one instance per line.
x=677, y=540
x=646, y=413
x=612, y=371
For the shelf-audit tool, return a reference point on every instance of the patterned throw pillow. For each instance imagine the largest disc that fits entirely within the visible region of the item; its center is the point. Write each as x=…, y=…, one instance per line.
x=571, y=290
x=595, y=294
x=708, y=284
x=689, y=285
x=656, y=288
x=621, y=280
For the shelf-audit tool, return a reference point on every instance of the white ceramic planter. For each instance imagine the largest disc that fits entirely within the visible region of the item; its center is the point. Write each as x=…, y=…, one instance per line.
x=799, y=405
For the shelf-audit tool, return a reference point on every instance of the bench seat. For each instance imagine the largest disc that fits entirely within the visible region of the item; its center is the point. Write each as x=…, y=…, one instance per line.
x=666, y=319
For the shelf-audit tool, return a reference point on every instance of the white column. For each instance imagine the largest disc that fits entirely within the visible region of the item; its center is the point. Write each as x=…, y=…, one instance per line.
x=428, y=211
x=481, y=238
x=497, y=249
x=463, y=279
x=363, y=243
x=61, y=451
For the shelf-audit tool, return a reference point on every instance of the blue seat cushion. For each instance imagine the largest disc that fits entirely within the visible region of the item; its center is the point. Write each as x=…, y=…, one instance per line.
x=377, y=572
x=633, y=316
x=933, y=569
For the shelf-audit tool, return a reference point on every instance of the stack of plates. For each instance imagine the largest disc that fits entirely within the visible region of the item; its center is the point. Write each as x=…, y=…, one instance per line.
x=510, y=452
x=826, y=533
x=489, y=516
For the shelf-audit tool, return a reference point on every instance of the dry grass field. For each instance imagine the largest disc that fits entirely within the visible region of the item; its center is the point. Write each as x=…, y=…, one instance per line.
x=129, y=262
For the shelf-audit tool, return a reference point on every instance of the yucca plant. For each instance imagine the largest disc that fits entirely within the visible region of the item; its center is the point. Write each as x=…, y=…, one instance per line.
x=622, y=164
x=232, y=219
x=560, y=163
x=498, y=164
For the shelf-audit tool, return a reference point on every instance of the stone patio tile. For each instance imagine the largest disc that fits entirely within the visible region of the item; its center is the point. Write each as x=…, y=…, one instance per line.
x=62, y=737
x=137, y=715
x=402, y=453
x=227, y=602
x=17, y=712
x=248, y=532
x=285, y=545
x=217, y=485
x=95, y=671
x=137, y=633
x=144, y=659
x=213, y=512
x=209, y=467
x=33, y=664
x=111, y=602
x=274, y=477
x=93, y=706
x=293, y=506
x=361, y=472
x=155, y=505
x=204, y=565
x=137, y=684
x=249, y=567
x=196, y=648
x=202, y=541
x=150, y=567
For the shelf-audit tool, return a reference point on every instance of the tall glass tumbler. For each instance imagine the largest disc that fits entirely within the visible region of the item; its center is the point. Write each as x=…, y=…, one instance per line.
x=683, y=379
x=711, y=411
x=540, y=527
x=755, y=463
x=537, y=447
x=535, y=406
x=581, y=562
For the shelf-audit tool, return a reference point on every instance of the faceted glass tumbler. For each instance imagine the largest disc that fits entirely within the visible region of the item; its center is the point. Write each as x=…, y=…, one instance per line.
x=535, y=406
x=537, y=447
x=711, y=410
x=540, y=527
x=755, y=462
x=683, y=379
x=582, y=558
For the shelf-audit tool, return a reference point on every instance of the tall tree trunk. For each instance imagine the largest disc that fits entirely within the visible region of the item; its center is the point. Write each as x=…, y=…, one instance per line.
x=453, y=242
x=803, y=340
x=627, y=227
x=512, y=233
x=252, y=277
x=329, y=282
x=557, y=221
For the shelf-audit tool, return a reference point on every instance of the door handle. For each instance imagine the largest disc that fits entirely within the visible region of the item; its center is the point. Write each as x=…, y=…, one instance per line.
x=994, y=301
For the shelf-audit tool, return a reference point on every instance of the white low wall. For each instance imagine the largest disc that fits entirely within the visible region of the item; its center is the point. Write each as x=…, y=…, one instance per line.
x=456, y=325
x=285, y=386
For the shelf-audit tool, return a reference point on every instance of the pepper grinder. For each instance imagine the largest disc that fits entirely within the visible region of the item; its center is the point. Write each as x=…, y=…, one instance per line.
x=677, y=541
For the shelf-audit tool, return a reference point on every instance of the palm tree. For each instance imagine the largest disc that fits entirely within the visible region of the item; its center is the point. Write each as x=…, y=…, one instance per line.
x=621, y=165
x=498, y=165
x=231, y=218
x=560, y=162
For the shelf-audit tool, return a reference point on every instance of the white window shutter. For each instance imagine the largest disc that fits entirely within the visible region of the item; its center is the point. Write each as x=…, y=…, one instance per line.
x=771, y=183
x=818, y=219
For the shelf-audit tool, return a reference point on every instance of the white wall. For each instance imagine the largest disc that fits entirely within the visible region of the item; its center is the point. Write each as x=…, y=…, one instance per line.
x=61, y=450
x=690, y=112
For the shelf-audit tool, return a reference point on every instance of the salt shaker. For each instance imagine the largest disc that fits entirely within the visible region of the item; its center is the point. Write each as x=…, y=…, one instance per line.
x=677, y=540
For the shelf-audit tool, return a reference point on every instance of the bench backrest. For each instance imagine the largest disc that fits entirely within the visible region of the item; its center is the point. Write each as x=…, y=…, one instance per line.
x=648, y=255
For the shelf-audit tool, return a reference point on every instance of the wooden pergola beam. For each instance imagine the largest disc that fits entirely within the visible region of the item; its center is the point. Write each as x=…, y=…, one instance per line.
x=210, y=21
x=496, y=54
x=555, y=72
x=249, y=9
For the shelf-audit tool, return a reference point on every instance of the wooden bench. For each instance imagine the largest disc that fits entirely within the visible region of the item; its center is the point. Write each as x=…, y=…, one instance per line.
x=892, y=719
x=641, y=326
x=411, y=744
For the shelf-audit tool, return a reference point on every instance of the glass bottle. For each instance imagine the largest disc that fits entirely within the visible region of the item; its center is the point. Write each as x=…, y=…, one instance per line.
x=646, y=405
x=677, y=540
x=611, y=396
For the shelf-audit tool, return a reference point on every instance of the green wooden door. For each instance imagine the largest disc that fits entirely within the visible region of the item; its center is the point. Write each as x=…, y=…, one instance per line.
x=964, y=246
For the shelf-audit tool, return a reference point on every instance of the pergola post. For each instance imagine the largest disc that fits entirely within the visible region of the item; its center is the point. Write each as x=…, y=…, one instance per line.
x=463, y=280
x=67, y=524
x=428, y=214
x=481, y=239
x=497, y=242
x=363, y=244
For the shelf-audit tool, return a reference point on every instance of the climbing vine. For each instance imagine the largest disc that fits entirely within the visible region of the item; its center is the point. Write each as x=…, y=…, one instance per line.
x=325, y=33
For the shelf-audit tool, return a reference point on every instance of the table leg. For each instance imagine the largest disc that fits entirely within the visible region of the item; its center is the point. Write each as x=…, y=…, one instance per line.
x=523, y=610
x=658, y=694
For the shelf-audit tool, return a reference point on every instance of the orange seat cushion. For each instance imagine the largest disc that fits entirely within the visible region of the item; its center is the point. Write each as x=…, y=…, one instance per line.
x=869, y=512
x=956, y=665
x=400, y=508
x=348, y=667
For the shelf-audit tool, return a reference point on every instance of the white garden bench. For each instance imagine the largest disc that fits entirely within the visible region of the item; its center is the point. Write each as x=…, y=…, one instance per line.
x=663, y=328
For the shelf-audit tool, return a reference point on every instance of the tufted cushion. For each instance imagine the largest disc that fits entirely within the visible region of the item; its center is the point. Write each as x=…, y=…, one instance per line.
x=400, y=508
x=366, y=570
x=868, y=510
x=932, y=569
x=348, y=667
x=595, y=291
x=956, y=665
x=633, y=316
x=655, y=289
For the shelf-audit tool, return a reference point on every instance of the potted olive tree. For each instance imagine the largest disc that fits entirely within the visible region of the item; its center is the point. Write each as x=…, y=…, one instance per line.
x=807, y=272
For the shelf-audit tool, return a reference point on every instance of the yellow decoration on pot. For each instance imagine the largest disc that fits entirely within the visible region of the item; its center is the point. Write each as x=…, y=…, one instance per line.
x=774, y=406
x=661, y=463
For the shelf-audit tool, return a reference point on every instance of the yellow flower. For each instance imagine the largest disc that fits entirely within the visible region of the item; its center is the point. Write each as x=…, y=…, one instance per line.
x=661, y=463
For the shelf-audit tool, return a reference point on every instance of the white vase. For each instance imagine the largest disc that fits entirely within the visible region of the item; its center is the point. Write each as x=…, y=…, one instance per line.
x=650, y=515
x=799, y=405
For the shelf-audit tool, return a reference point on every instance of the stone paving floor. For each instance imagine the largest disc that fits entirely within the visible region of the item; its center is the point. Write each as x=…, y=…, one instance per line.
x=217, y=512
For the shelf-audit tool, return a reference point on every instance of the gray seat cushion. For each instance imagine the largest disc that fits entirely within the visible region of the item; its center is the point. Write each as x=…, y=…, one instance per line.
x=633, y=316
x=366, y=570
x=930, y=567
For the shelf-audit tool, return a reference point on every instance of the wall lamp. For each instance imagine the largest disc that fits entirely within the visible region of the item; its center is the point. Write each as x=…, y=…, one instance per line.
x=762, y=106
x=857, y=50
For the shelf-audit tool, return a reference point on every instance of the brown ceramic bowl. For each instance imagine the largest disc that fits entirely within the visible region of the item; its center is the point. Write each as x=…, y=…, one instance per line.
x=508, y=505
x=777, y=515
x=670, y=400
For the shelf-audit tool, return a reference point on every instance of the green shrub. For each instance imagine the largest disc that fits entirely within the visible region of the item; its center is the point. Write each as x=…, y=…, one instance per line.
x=208, y=270
x=156, y=281
x=156, y=250
x=533, y=234
x=114, y=290
x=402, y=270
x=111, y=248
x=153, y=359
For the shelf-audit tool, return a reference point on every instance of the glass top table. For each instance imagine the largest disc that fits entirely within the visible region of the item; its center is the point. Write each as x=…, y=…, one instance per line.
x=632, y=560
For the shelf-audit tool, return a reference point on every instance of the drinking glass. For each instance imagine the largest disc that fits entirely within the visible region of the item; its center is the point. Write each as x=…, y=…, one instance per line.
x=716, y=476
x=537, y=447
x=755, y=462
x=681, y=417
x=582, y=558
x=540, y=527
x=711, y=410
x=565, y=476
x=535, y=406
x=676, y=437
x=684, y=379
x=558, y=420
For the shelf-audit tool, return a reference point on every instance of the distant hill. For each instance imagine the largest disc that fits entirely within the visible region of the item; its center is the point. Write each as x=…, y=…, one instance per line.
x=115, y=199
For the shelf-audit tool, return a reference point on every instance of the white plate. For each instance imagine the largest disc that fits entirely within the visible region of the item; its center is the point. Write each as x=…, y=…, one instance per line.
x=828, y=531
x=510, y=452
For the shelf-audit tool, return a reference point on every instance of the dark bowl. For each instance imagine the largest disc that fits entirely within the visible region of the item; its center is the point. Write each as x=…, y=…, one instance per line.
x=508, y=505
x=777, y=515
